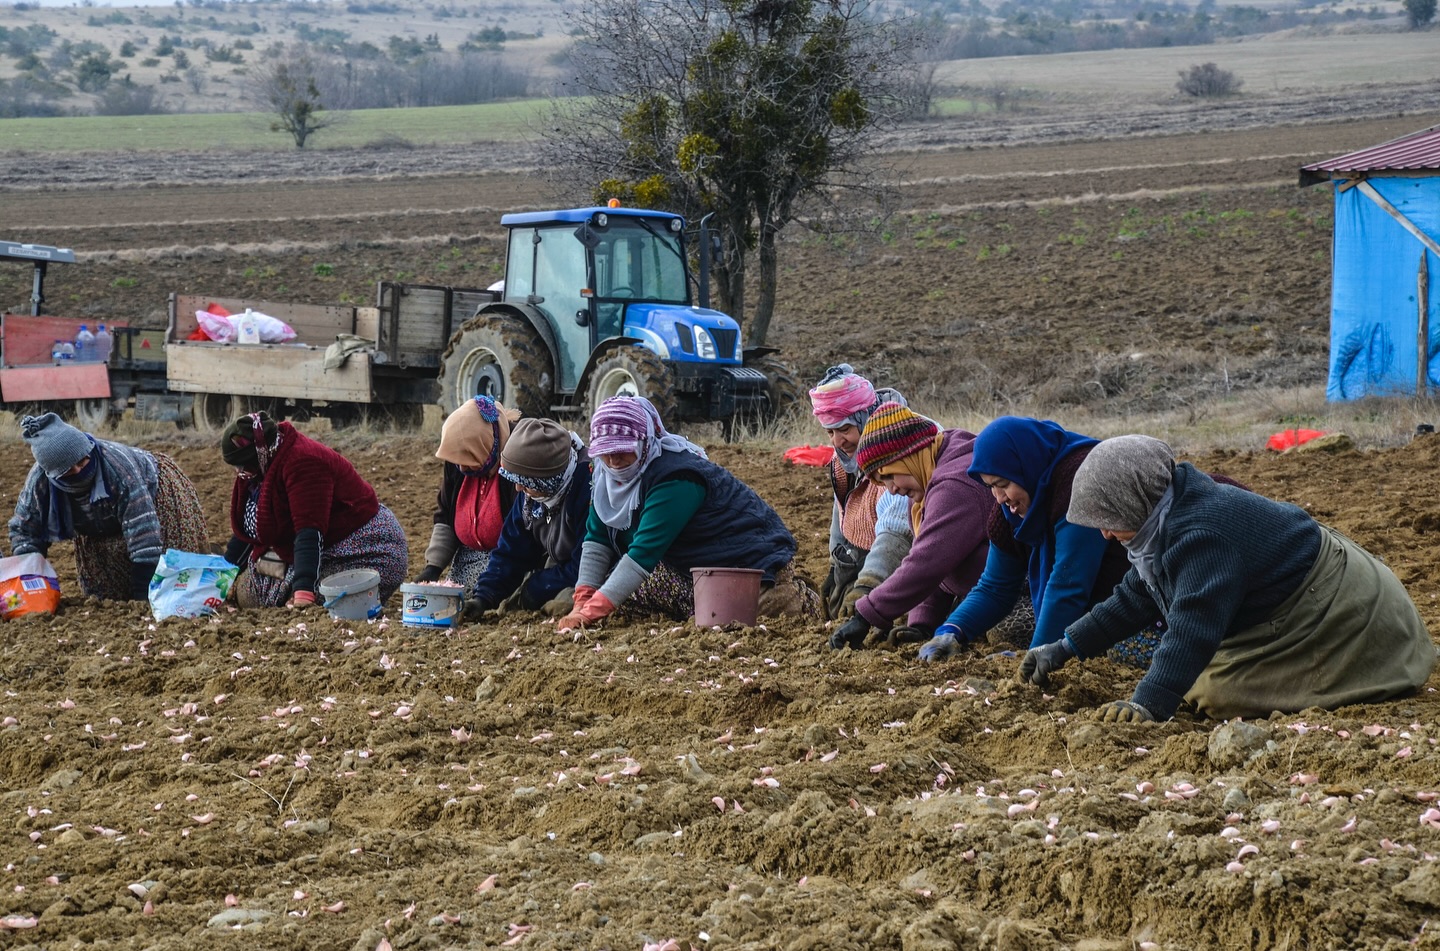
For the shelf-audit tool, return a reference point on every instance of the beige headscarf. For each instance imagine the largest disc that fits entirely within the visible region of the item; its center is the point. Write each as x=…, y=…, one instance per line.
x=473, y=435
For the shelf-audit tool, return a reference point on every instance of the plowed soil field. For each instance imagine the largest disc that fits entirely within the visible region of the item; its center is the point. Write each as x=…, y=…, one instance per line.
x=331, y=785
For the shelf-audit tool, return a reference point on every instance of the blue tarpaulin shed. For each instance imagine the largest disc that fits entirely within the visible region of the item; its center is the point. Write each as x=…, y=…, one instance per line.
x=1385, y=288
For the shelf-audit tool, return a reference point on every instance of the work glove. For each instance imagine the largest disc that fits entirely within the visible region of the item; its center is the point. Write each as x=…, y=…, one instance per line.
x=304, y=601
x=560, y=605
x=946, y=643
x=140, y=575
x=1040, y=662
x=856, y=592
x=475, y=609
x=583, y=593
x=827, y=592
x=596, y=607
x=909, y=634
x=1125, y=711
x=851, y=634
x=430, y=575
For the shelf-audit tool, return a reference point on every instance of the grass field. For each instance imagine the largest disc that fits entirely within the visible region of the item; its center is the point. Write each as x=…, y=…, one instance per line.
x=439, y=125
x=1267, y=65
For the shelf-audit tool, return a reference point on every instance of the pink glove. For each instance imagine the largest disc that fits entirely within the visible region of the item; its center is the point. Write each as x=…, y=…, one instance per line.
x=303, y=599
x=583, y=593
x=597, y=606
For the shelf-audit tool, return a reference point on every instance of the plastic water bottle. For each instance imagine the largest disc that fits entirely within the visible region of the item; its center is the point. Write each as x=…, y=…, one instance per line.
x=84, y=345
x=62, y=351
x=104, y=343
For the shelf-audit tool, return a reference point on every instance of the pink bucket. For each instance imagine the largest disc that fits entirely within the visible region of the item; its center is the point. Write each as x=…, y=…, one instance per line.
x=726, y=595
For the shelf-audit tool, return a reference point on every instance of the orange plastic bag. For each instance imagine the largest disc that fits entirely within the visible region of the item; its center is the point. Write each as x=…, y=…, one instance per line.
x=810, y=455
x=1290, y=438
x=28, y=585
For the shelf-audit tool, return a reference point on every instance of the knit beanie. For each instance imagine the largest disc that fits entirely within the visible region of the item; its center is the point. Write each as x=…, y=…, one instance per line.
x=893, y=432
x=237, y=442
x=841, y=395
x=56, y=444
x=1119, y=483
x=536, y=449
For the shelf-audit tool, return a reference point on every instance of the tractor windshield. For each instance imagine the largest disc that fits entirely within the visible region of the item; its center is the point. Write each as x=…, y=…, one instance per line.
x=637, y=259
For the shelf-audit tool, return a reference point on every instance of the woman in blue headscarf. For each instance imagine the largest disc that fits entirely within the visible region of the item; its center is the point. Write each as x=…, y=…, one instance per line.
x=1029, y=466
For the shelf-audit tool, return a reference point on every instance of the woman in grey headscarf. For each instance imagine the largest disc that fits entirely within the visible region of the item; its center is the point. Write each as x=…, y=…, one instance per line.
x=1266, y=609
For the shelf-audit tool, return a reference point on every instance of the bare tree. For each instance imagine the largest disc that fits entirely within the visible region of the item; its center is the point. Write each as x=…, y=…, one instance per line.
x=1206, y=80
x=759, y=111
x=289, y=88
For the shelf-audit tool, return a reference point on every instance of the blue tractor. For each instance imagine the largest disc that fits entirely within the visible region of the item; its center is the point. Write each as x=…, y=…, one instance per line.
x=597, y=303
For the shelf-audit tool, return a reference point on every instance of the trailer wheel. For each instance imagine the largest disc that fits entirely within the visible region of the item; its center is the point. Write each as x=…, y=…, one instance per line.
x=92, y=415
x=633, y=371
x=498, y=356
x=212, y=412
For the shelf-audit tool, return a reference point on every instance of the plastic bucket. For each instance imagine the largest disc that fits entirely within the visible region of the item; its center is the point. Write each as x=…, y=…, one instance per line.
x=726, y=595
x=352, y=595
x=431, y=605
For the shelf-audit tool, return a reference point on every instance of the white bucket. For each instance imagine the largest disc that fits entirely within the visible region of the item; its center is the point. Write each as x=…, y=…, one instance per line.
x=431, y=605
x=352, y=595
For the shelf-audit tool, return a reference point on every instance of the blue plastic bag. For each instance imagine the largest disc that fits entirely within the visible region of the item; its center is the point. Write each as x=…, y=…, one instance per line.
x=190, y=585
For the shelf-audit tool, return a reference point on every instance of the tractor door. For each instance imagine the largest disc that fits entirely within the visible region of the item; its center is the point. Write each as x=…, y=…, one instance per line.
x=546, y=269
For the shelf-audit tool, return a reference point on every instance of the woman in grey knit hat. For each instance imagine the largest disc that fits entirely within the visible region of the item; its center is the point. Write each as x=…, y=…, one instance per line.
x=1266, y=609
x=122, y=506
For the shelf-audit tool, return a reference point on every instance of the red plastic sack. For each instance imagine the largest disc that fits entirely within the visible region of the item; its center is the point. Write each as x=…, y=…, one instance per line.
x=28, y=585
x=1290, y=438
x=810, y=455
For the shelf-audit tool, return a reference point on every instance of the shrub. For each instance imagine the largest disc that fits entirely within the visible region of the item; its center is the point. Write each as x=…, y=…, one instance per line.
x=1419, y=12
x=1207, y=80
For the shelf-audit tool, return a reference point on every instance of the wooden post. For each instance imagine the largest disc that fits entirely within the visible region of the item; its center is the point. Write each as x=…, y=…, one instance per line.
x=1422, y=340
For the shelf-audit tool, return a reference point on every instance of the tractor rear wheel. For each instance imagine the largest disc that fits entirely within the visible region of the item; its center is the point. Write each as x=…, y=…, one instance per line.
x=212, y=412
x=633, y=371
x=499, y=356
x=91, y=415
x=783, y=398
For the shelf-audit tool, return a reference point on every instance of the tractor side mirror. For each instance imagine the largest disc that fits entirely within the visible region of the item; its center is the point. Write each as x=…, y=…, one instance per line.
x=582, y=317
x=587, y=236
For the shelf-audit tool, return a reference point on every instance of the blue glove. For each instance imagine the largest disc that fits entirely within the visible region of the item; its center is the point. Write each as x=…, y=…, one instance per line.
x=942, y=646
x=1040, y=662
x=952, y=629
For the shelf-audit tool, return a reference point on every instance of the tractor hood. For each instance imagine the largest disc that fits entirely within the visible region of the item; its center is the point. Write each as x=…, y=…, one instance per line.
x=685, y=334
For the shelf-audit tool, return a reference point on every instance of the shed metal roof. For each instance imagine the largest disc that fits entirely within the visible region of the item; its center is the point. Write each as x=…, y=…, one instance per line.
x=1416, y=152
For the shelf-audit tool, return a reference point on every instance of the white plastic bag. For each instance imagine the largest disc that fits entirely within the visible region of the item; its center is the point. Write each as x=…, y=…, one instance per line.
x=190, y=585
x=225, y=329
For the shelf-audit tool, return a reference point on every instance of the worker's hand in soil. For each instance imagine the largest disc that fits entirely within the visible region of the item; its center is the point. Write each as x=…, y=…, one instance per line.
x=430, y=575
x=589, y=614
x=305, y=601
x=1040, y=662
x=1125, y=711
x=851, y=634
x=945, y=645
x=856, y=592
x=560, y=605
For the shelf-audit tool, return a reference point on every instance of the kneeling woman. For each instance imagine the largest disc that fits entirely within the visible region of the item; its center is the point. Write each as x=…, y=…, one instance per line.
x=299, y=512
x=123, y=506
x=1266, y=609
x=660, y=508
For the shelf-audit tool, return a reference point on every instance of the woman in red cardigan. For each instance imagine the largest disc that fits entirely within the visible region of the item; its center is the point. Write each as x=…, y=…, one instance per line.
x=299, y=512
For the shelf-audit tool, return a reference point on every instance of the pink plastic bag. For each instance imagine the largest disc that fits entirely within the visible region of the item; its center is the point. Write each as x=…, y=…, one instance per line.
x=216, y=326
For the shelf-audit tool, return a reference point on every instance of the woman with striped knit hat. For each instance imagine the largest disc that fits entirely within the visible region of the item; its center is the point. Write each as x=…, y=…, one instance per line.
x=869, y=527
x=913, y=457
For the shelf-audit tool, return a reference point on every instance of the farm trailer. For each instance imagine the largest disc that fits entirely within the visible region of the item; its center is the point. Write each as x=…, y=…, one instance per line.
x=87, y=393
x=346, y=363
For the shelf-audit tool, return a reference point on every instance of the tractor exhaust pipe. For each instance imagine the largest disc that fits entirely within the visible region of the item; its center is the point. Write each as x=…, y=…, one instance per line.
x=705, y=237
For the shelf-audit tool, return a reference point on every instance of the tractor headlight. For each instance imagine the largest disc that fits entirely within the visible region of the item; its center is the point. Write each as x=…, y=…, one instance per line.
x=705, y=347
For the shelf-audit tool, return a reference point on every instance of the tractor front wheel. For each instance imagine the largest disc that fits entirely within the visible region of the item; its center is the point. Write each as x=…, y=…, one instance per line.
x=633, y=371
x=499, y=356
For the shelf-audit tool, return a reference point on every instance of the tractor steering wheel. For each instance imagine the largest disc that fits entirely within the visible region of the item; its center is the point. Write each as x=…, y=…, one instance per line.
x=622, y=291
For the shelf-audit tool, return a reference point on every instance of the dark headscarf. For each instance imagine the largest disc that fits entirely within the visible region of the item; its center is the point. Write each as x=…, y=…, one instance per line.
x=1025, y=452
x=242, y=449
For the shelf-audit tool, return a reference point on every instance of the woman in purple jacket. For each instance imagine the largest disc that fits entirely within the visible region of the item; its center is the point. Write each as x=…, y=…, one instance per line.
x=912, y=456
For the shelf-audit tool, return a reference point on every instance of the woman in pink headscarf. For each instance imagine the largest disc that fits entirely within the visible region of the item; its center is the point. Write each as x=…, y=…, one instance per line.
x=870, y=531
